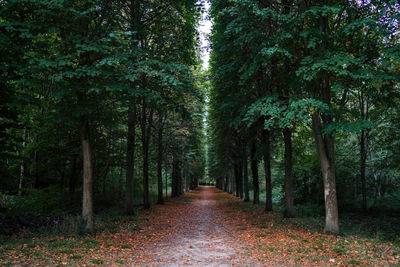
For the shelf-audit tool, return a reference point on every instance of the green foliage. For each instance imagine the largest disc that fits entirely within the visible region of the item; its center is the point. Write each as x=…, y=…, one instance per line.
x=45, y=201
x=67, y=60
x=280, y=65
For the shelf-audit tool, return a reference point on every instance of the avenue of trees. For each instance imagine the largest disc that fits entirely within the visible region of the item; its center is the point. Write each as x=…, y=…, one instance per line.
x=102, y=103
x=99, y=103
x=304, y=103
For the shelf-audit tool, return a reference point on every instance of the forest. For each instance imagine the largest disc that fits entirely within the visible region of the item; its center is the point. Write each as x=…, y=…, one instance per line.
x=113, y=128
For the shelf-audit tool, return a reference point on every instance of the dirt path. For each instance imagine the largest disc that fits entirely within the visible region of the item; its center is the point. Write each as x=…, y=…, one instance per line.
x=196, y=229
x=204, y=227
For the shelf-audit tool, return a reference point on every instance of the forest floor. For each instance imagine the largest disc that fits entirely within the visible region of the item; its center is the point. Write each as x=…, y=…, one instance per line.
x=204, y=227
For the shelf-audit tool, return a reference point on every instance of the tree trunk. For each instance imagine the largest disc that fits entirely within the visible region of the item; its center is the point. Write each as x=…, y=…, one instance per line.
x=130, y=158
x=22, y=166
x=240, y=172
x=363, y=102
x=325, y=144
x=229, y=182
x=146, y=143
x=245, y=174
x=325, y=151
x=87, y=203
x=166, y=182
x=363, y=158
x=180, y=181
x=267, y=170
x=120, y=182
x=254, y=171
x=287, y=136
x=36, y=158
x=173, y=179
x=236, y=170
x=159, y=160
x=176, y=176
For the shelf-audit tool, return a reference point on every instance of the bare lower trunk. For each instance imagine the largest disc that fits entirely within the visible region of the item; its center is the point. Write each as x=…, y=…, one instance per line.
x=254, y=170
x=267, y=170
x=245, y=175
x=240, y=180
x=21, y=178
x=230, y=182
x=36, y=158
x=166, y=182
x=364, y=112
x=287, y=136
x=176, y=177
x=180, y=182
x=87, y=203
x=146, y=143
x=363, y=158
x=236, y=172
x=325, y=151
x=159, y=163
x=130, y=159
x=22, y=166
x=325, y=143
x=120, y=182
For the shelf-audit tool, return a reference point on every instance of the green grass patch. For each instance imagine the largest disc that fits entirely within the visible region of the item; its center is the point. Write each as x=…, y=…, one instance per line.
x=76, y=256
x=126, y=246
x=135, y=228
x=97, y=261
x=339, y=250
x=61, y=245
x=66, y=251
x=89, y=244
x=352, y=262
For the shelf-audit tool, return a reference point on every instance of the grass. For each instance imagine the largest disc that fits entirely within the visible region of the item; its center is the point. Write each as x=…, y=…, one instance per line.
x=97, y=261
x=126, y=246
x=76, y=256
x=352, y=262
x=383, y=225
x=364, y=240
x=52, y=245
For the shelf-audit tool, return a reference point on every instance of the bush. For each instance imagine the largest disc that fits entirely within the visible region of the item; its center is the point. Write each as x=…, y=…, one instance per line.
x=389, y=204
x=50, y=201
x=309, y=210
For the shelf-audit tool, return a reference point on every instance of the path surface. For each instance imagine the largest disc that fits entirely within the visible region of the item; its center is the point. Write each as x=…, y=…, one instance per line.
x=203, y=227
x=196, y=229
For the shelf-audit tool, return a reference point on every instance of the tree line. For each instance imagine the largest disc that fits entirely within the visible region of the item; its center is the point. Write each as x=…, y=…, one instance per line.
x=311, y=88
x=103, y=90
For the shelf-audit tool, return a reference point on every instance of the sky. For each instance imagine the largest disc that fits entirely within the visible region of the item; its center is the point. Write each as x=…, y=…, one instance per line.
x=205, y=29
